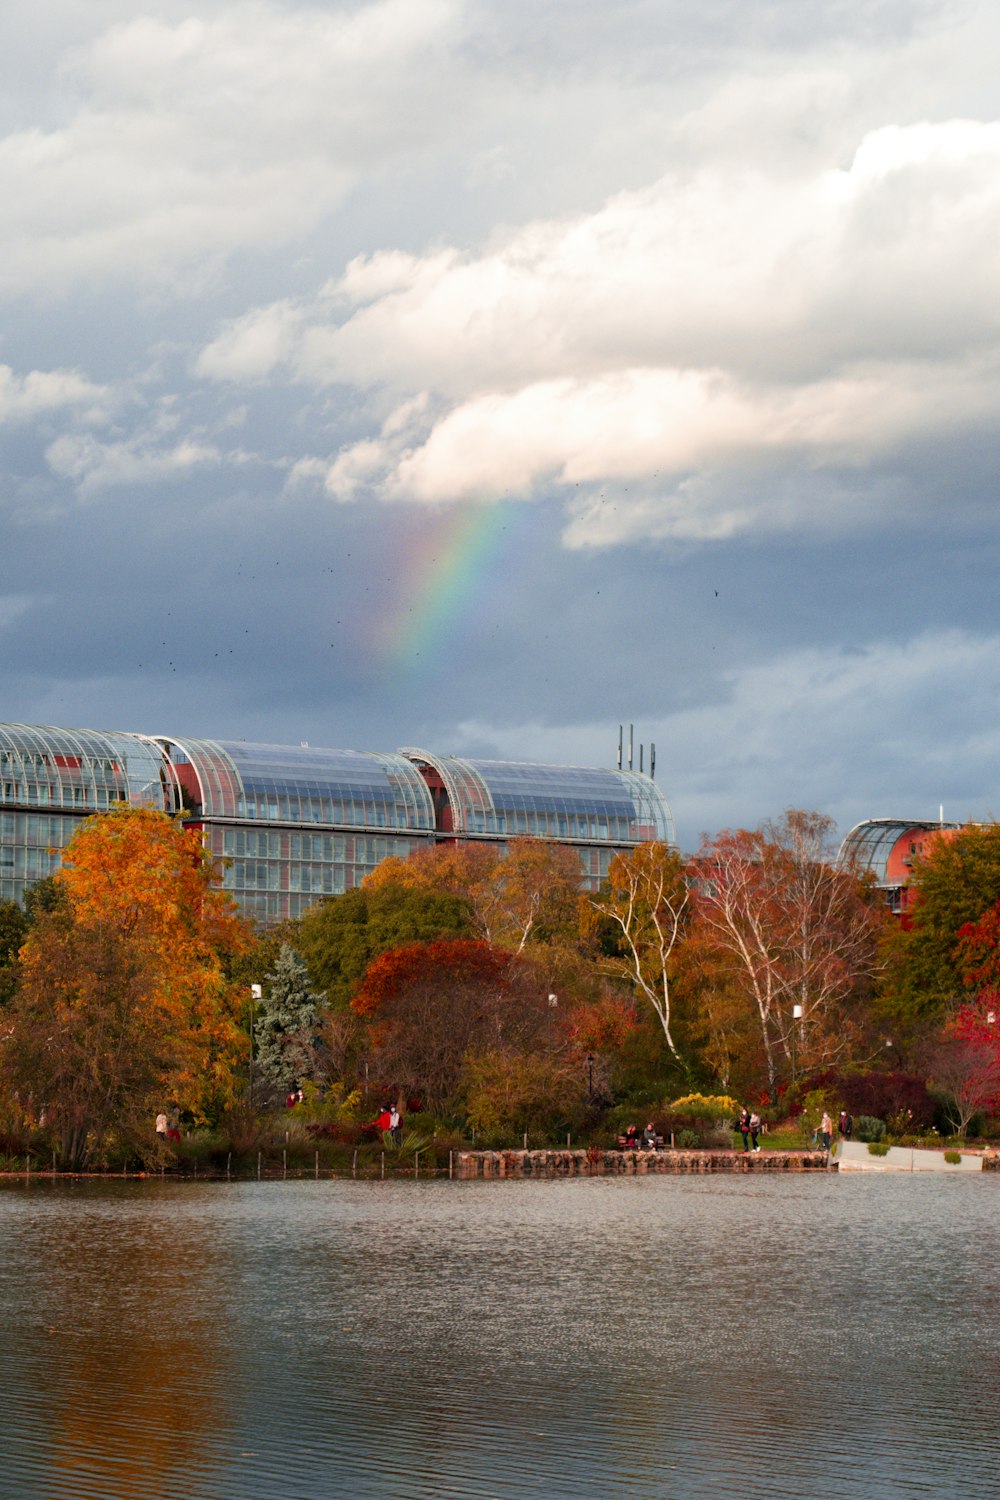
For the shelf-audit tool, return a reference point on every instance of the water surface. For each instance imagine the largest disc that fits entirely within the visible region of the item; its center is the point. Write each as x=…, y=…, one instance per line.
x=654, y=1337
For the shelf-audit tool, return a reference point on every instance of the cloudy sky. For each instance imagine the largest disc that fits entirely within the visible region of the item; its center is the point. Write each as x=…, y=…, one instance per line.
x=478, y=376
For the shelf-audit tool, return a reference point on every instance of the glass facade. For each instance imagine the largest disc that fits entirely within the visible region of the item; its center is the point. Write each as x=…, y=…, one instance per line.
x=868, y=846
x=289, y=824
x=51, y=779
x=886, y=849
x=605, y=810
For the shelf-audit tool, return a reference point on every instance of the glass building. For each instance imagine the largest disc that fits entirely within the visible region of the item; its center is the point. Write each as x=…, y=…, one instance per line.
x=51, y=779
x=886, y=849
x=292, y=824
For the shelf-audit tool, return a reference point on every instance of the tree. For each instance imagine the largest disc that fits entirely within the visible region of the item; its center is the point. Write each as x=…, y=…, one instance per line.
x=794, y=934
x=509, y=1092
x=527, y=894
x=429, y=1005
x=123, y=1001
x=339, y=938
x=13, y=931
x=956, y=882
x=967, y=1076
x=284, y=1023
x=645, y=904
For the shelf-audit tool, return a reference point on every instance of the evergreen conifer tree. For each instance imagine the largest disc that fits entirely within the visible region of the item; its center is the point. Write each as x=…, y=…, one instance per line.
x=284, y=1022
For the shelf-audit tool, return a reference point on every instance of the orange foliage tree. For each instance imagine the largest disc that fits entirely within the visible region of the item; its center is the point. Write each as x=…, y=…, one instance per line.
x=797, y=937
x=124, y=1003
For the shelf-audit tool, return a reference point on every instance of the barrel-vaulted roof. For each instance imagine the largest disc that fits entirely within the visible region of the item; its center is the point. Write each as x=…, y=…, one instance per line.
x=304, y=784
x=585, y=803
x=83, y=770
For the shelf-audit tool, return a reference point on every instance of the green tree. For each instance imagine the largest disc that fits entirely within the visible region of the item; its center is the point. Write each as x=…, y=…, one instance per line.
x=13, y=931
x=339, y=938
x=956, y=882
x=284, y=1023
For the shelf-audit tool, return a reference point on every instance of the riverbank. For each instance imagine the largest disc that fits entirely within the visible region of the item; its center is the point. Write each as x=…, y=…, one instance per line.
x=597, y=1163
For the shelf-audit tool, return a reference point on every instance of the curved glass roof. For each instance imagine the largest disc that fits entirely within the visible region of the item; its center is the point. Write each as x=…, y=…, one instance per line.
x=285, y=784
x=85, y=770
x=869, y=845
x=507, y=798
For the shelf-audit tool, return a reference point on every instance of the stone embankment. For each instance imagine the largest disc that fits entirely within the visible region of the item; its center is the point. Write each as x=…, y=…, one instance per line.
x=595, y=1163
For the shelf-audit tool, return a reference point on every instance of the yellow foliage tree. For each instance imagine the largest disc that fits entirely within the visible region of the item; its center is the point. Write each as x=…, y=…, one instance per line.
x=527, y=895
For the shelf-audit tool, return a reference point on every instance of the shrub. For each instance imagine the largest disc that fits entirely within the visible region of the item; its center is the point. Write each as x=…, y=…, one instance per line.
x=953, y=1158
x=687, y=1140
x=340, y=1132
x=868, y=1128
x=878, y=1148
x=884, y=1094
x=706, y=1106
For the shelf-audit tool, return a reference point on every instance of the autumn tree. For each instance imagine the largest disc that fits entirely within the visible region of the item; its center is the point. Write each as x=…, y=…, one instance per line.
x=955, y=882
x=13, y=931
x=430, y=1005
x=645, y=905
x=507, y=1092
x=525, y=894
x=123, y=1001
x=339, y=937
x=791, y=932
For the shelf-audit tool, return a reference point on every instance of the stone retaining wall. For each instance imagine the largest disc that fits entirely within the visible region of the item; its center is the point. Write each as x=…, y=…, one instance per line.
x=594, y=1163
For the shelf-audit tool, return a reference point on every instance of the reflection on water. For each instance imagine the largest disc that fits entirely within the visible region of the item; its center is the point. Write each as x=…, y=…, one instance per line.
x=653, y=1337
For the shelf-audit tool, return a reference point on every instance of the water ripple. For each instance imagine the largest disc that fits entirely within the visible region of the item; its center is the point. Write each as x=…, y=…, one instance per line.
x=659, y=1337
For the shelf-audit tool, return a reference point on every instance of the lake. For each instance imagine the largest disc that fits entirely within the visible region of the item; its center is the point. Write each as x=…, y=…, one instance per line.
x=673, y=1337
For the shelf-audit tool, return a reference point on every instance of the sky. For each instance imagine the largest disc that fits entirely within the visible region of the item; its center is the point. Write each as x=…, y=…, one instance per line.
x=480, y=376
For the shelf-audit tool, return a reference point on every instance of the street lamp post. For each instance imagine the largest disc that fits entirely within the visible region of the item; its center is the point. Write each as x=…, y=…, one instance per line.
x=796, y=1023
x=256, y=995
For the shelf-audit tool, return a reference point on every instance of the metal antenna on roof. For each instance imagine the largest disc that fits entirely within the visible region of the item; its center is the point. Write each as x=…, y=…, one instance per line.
x=652, y=760
x=620, y=730
x=641, y=748
x=630, y=741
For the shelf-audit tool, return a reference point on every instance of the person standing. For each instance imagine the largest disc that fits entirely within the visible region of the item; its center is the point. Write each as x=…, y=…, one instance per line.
x=744, y=1127
x=161, y=1126
x=846, y=1125
x=826, y=1131
x=754, y=1129
x=394, y=1126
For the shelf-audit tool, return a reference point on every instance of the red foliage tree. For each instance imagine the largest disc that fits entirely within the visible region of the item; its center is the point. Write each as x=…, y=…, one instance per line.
x=430, y=1005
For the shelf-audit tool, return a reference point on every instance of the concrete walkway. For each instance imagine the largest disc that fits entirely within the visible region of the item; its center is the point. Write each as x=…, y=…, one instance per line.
x=854, y=1156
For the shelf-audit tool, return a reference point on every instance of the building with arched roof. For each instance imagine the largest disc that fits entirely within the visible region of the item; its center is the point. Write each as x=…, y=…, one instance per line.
x=886, y=848
x=291, y=824
x=51, y=779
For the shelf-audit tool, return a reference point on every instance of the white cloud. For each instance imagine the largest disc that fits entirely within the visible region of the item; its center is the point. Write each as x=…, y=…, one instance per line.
x=182, y=141
x=250, y=347
x=717, y=321
x=94, y=465
x=23, y=397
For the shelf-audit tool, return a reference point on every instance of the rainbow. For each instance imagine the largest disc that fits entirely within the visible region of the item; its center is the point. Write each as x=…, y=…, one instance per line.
x=453, y=571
